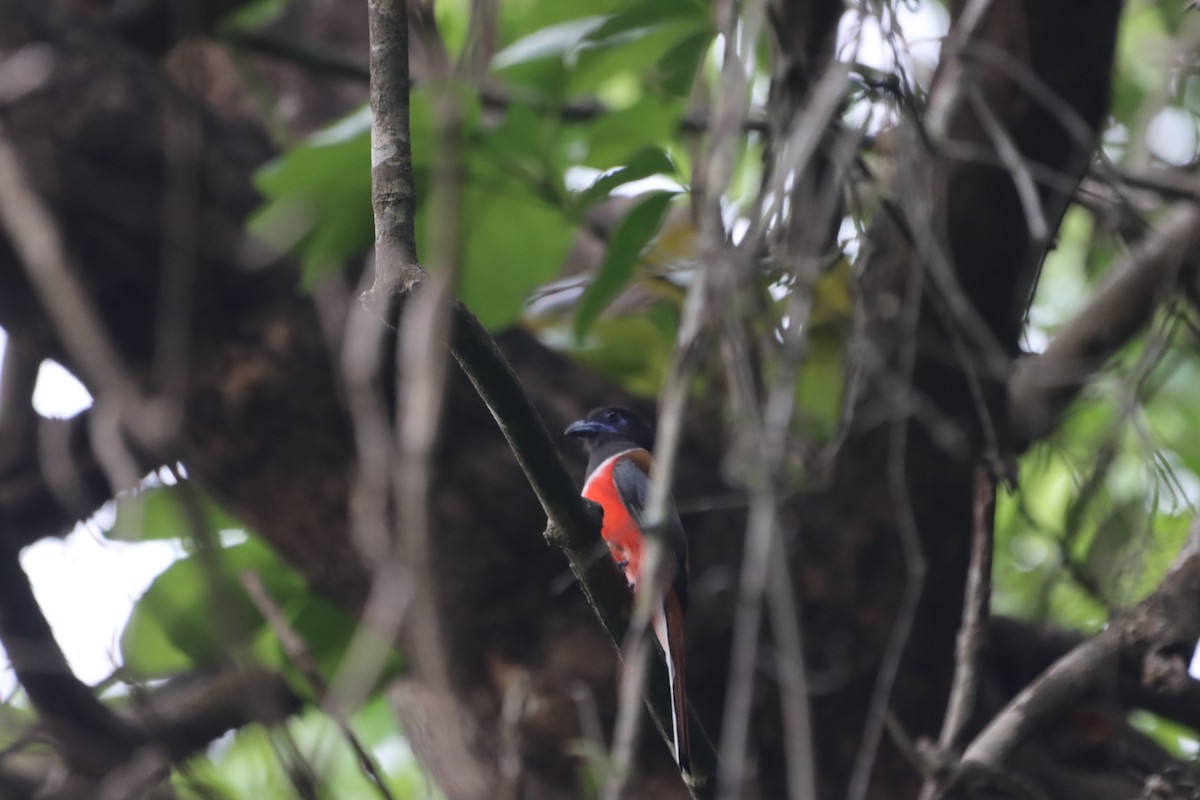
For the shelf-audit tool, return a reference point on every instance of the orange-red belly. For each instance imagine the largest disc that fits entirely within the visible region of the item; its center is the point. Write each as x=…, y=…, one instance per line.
x=625, y=539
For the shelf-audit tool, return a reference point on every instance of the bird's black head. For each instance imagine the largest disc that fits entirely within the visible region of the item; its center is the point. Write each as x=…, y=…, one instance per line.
x=612, y=428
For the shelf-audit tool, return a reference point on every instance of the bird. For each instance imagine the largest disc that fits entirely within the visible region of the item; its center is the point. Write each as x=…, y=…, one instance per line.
x=618, y=444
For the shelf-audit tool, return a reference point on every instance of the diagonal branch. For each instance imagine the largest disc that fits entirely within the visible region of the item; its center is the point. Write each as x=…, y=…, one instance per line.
x=1043, y=386
x=58, y=483
x=91, y=736
x=1160, y=633
x=1021, y=650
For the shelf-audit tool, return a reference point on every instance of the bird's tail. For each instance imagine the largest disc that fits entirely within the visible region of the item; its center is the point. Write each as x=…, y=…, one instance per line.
x=668, y=628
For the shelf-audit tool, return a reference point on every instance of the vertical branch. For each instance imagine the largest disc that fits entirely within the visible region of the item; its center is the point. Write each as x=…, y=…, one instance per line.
x=392, y=194
x=423, y=363
x=740, y=32
x=297, y=650
x=395, y=471
x=973, y=631
x=975, y=612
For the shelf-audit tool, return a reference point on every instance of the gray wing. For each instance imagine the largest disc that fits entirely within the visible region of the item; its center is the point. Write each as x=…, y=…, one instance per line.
x=633, y=487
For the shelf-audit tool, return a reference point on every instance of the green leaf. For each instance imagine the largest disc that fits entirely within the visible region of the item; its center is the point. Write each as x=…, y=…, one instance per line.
x=676, y=71
x=647, y=162
x=636, y=52
x=552, y=41
x=514, y=242
x=631, y=236
x=646, y=13
x=158, y=513
x=193, y=615
x=633, y=350
x=253, y=16
x=1107, y=553
x=319, y=199
x=615, y=138
x=819, y=384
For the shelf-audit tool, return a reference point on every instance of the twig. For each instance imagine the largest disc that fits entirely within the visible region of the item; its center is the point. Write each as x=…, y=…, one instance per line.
x=972, y=633
x=1043, y=386
x=299, y=52
x=709, y=186
x=976, y=609
x=423, y=365
x=764, y=576
x=39, y=244
x=297, y=650
x=189, y=711
x=915, y=564
x=1010, y=156
x=944, y=102
x=35, y=237
x=1161, y=632
x=332, y=63
x=799, y=744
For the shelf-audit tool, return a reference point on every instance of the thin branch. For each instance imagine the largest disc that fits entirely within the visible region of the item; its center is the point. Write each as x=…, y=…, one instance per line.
x=332, y=63
x=1043, y=386
x=976, y=609
x=42, y=251
x=51, y=489
x=297, y=650
x=304, y=54
x=943, y=104
x=710, y=181
x=189, y=711
x=973, y=632
x=35, y=237
x=1010, y=156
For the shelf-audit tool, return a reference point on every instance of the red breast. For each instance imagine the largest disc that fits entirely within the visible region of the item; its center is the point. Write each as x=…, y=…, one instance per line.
x=625, y=539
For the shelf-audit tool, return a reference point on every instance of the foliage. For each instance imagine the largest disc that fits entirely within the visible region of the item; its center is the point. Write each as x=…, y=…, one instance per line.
x=595, y=101
x=246, y=764
x=1101, y=507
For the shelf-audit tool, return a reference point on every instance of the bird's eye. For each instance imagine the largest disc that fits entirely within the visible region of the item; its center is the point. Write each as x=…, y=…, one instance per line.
x=611, y=416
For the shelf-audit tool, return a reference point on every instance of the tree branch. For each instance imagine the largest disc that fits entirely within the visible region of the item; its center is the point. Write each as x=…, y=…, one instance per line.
x=1020, y=651
x=1043, y=386
x=1160, y=633
x=91, y=737
x=183, y=716
x=189, y=712
x=157, y=25
x=58, y=484
x=971, y=635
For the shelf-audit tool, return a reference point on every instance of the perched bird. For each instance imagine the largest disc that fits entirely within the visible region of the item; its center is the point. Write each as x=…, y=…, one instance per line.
x=618, y=446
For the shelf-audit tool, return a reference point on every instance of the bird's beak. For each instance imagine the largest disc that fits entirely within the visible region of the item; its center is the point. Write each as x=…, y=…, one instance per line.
x=585, y=428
